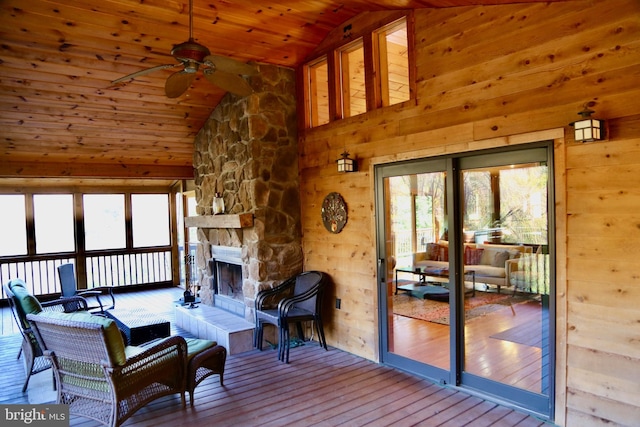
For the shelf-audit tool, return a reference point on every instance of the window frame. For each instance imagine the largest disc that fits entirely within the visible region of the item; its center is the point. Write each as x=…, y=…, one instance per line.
x=381, y=60
x=337, y=42
x=345, y=78
x=21, y=265
x=311, y=99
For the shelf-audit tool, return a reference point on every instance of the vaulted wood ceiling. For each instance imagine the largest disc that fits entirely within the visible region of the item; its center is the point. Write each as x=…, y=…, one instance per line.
x=61, y=116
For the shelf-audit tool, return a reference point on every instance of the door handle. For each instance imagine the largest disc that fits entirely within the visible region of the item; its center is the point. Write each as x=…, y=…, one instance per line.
x=381, y=273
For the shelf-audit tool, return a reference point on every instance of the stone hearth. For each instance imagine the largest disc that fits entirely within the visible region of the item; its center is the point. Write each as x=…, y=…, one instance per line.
x=247, y=151
x=211, y=323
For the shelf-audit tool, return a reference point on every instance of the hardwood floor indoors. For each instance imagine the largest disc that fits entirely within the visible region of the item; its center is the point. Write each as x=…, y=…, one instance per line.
x=510, y=362
x=328, y=388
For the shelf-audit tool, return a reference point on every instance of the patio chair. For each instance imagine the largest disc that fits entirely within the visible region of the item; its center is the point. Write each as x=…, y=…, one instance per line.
x=297, y=299
x=23, y=303
x=67, y=277
x=97, y=376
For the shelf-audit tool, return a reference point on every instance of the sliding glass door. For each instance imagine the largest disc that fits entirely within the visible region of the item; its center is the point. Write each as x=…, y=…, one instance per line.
x=465, y=272
x=415, y=218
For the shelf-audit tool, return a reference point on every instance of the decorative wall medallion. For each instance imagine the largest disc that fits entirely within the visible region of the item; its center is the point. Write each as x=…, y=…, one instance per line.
x=334, y=213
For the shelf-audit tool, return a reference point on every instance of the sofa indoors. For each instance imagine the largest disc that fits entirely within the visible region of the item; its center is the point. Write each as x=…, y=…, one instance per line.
x=489, y=261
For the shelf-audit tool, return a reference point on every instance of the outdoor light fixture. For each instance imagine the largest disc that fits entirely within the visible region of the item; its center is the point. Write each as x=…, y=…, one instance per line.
x=346, y=163
x=588, y=129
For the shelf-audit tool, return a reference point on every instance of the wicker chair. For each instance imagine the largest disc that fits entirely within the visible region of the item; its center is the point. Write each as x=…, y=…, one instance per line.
x=297, y=299
x=97, y=376
x=23, y=303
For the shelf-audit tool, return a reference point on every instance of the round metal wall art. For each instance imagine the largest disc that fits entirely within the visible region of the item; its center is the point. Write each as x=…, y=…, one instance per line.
x=334, y=213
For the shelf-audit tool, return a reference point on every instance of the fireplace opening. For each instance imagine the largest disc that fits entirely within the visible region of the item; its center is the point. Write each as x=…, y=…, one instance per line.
x=227, y=280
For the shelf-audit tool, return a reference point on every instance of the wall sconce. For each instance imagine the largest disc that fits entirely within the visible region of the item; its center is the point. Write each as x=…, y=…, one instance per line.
x=346, y=163
x=588, y=129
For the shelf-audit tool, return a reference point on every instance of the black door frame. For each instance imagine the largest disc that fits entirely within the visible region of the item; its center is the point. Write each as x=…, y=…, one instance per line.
x=538, y=404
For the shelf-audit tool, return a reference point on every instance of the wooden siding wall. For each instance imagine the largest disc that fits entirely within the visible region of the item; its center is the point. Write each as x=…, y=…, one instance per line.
x=487, y=77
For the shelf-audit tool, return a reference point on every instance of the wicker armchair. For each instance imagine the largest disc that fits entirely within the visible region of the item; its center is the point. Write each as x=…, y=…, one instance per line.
x=297, y=299
x=23, y=303
x=97, y=376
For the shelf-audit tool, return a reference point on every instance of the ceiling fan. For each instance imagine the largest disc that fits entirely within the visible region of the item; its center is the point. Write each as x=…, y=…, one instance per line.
x=221, y=71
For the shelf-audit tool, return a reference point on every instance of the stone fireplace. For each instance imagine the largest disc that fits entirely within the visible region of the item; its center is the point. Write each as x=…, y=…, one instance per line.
x=247, y=151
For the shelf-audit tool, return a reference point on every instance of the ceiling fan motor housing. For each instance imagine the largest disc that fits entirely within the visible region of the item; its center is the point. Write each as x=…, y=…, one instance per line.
x=190, y=51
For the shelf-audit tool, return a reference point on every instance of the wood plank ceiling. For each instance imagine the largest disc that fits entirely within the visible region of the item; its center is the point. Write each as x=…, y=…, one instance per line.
x=61, y=116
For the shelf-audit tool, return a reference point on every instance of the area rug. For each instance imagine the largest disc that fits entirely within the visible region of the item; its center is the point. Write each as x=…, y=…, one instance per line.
x=481, y=304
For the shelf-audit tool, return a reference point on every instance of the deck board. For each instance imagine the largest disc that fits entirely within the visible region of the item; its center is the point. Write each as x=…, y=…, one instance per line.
x=318, y=388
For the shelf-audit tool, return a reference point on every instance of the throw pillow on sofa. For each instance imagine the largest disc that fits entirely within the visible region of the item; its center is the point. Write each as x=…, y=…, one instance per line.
x=472, y=256
x=433, y=251
x=500, y=258
x=443, y=253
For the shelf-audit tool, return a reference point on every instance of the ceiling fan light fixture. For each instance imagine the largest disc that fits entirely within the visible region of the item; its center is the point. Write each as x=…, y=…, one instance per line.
x=191, y=67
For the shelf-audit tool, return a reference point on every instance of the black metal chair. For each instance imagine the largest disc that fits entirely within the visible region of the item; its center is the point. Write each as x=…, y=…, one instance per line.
x=296, y=300
x=22, y=302
x=69, y=288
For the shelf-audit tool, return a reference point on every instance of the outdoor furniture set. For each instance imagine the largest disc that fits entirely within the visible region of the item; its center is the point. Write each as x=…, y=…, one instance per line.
x=96, y=372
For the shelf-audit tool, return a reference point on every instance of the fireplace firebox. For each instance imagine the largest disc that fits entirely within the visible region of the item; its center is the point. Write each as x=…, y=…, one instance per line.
x=227, y=279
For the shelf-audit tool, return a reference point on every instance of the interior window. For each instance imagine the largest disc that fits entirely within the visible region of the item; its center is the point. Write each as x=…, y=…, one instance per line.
x=318, y=92
x=393, y=56
x=352, y=79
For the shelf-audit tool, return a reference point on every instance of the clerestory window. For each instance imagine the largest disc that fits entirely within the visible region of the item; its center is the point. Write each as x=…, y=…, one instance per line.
x=364, y=72
x=352, y=79
x=393, y=61
x=318, y=92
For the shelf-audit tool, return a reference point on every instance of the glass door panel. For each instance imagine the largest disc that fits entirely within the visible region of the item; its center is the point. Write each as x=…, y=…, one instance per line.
x=415, y=239
x=505, y=228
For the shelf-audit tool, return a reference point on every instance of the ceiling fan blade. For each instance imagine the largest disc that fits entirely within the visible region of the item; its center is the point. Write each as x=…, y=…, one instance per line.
x=228, y=65
x=143, y=72
x=178, y=83
x=229, y=82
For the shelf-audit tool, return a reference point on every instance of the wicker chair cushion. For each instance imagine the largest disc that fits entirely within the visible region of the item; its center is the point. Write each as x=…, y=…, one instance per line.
x=28, y=303
x=115, y=343
x=196, y=346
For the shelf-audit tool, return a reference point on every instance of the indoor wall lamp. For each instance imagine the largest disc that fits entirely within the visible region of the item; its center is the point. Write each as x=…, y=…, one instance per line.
x=587, y=129
x=346, y=163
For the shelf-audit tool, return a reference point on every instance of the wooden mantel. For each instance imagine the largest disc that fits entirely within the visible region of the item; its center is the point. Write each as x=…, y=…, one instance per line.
x=220, y=221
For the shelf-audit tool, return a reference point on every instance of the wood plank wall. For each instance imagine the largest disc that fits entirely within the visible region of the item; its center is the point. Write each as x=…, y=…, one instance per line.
x=510, y=74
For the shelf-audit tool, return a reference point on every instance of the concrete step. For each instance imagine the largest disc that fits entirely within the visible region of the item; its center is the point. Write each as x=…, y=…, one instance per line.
x=211, y=323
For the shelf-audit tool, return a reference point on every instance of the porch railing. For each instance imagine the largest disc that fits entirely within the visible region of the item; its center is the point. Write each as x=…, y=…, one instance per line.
x=112, y=269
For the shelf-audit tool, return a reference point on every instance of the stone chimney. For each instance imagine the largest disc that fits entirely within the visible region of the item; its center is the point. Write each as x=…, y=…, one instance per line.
x=247, y=151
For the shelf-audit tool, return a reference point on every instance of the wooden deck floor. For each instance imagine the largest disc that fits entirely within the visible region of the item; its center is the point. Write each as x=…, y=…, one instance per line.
x=318, y=388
